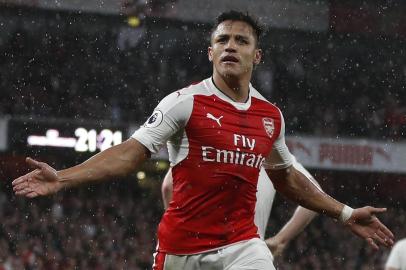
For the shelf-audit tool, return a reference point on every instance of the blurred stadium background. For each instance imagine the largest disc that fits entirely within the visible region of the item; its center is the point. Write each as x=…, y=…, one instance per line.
x=79, y=76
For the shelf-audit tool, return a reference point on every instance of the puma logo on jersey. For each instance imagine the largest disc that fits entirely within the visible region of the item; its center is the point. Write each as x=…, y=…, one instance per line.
x=210, y=116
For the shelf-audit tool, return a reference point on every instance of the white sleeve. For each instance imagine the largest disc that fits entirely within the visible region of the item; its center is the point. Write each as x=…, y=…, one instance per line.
x=394, y=258
x=280, y=157
x=171, y=115
x=265, y=196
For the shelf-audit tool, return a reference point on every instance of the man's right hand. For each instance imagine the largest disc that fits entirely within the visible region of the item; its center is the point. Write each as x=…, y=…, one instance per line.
x=276, y=246
x=43, y=180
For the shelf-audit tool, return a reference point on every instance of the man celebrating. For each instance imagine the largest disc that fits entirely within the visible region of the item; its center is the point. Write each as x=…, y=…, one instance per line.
x=220, y=133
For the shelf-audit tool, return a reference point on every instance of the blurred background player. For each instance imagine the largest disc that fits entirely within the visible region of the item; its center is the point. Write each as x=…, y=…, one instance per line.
x=397, y=256
x=265, y=197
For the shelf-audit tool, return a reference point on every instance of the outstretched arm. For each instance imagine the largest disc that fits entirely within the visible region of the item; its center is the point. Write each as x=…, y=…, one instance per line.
x=167, y=188
x=116, y=161
x=362, y=221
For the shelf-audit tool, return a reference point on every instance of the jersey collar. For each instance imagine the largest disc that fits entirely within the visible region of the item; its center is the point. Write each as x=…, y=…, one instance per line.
x=242, y=106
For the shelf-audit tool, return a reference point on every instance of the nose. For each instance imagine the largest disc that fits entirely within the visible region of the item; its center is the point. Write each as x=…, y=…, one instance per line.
x=230, y=46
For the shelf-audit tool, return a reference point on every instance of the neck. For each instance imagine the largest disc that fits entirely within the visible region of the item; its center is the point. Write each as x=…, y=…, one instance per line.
x=235, y=88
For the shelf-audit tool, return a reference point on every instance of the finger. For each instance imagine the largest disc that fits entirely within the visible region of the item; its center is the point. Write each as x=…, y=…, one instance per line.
x=26, y=177
x=23, y=192
x=19, y=180
x=29, y=187
x=24, y=187
x=386, y=231
x=25, y=181
x=374, y=210
x=32, y=194
x=380, y=240
x=371, y=242
x=33, y=163
x=20, y=186
x=387, y=241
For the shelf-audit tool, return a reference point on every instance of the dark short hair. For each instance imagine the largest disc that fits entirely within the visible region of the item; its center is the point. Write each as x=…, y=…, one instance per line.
x=234, y=15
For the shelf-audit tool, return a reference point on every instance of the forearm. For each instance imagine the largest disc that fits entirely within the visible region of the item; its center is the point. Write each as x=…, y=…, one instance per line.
x=296, y=187
x=117, y=161
x=166, y=197
x=167, y=188
x=300, y=219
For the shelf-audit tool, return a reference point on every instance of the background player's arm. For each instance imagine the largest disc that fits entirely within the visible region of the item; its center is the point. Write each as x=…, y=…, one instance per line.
x=296, y=224
x=167, y=188
x=116, y=161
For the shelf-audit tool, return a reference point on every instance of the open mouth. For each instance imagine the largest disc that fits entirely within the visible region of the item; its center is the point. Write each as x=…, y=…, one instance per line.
x=229, y=59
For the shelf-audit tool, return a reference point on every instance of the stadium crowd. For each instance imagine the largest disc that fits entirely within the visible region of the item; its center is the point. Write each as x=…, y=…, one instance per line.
x=59, y=65
x=327, y=84
x=106, y=229
x=112, y=226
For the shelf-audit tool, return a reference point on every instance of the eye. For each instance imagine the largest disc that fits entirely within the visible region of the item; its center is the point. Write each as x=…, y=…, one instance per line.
x=222, y=40
x=242, y=40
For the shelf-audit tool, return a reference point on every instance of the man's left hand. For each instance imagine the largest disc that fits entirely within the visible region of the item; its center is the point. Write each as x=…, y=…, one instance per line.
x=366, y=225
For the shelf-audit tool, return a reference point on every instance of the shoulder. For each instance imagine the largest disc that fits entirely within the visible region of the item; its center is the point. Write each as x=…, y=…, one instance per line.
x=185, y=94
x=261, y=99
x=178, y=105
x=401, y=244
x=182, y=97
x=196, y=88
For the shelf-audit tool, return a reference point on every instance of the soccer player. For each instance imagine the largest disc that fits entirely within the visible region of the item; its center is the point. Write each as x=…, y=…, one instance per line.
x=265, y=196
x=397, y=257
x=220, y=133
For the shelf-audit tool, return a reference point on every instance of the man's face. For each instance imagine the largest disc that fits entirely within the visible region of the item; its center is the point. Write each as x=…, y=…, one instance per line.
x=233, y=49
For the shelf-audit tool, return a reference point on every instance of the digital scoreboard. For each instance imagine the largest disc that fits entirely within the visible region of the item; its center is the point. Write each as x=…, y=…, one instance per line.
x=79, y=137
x=84, y=140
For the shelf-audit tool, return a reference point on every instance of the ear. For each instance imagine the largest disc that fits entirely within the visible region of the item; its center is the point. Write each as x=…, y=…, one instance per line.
x=257, y=56
x=210, y=53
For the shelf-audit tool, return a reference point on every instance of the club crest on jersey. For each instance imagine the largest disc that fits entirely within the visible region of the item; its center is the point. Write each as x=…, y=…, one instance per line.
x=269, y=126
x=154, y=120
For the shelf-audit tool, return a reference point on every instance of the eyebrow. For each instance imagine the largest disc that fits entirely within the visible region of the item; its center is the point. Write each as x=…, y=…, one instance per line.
x=228, y=35
x=222, y=36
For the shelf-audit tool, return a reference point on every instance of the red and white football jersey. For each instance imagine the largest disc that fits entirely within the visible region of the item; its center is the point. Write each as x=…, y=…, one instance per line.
x=216, y=148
